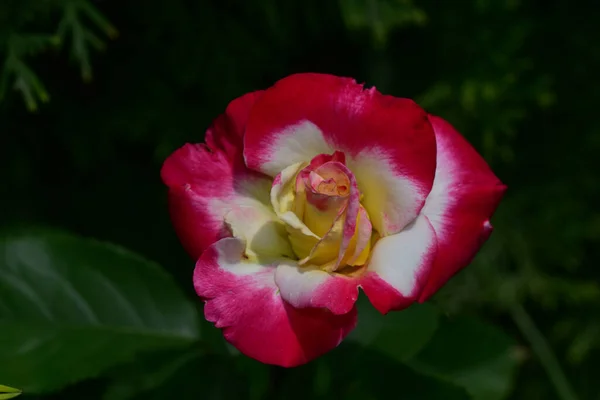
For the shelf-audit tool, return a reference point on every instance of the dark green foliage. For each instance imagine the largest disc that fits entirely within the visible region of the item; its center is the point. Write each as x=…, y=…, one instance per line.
x=517, y=78
x=71, y=308
x=416, y=326
x=353, y=372
x=470, y=354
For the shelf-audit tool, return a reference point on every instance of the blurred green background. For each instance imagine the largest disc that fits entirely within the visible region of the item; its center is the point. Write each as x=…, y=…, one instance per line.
x=95, y=95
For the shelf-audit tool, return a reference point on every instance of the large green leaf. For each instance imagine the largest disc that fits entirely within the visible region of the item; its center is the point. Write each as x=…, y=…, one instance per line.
x=470, y=353
x=148, y=372
x=399, y=334
x=353, y=372
x=71, y=307
x=193, y=375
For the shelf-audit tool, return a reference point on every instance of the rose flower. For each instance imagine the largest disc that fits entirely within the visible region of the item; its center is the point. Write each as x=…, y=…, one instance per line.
x=312, y=189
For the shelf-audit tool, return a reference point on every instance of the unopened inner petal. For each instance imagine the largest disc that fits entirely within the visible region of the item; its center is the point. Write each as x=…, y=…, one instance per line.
x=319, y=205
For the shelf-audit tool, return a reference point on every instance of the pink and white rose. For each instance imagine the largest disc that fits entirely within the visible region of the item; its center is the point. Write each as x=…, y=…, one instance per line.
x=312, y=189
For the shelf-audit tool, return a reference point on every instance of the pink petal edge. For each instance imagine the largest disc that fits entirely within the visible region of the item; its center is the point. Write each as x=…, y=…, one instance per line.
x=243, y=300
x=465, y=195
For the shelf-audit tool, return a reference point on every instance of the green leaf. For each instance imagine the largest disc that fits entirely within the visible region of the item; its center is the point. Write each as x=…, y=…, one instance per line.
x=7, y=392
x=70, y=308
x=17, y=72
x=98, y=19
x=399, y=334
x=352, y=372
x=472, y=354
x=257, y=375
x=82, y=37
x=211, y=377
x=148, y=372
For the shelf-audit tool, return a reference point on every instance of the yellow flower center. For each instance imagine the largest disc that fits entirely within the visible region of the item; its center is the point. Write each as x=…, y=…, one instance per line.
x=319, y=204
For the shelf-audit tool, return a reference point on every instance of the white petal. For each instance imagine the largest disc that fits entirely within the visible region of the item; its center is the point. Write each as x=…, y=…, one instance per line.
x=403, y=260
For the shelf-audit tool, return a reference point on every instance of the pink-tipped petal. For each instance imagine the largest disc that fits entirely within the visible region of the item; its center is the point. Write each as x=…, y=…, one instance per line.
x=352, y=210
x=311, y=287
x=206, y=181
x=465, y=194
x=388, y=142
x=243, y=300
x=352, y=207
x=364, y=231
x=399, y=266
x=227, y=133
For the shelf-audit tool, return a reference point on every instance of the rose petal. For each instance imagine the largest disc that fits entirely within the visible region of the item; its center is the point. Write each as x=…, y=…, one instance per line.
x=389, y=142
x=465, y=194
x=206, y=181
x=399, y=266
x=360, y=245
x=339, y=238
x=264, y=234
x=322, y=231
x=319, y=209
x=312, y=287
x=243, y=300
x=283, y=189
x=228, y=129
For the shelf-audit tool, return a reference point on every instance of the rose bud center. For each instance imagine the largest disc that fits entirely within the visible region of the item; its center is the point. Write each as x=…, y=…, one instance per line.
x=327, y=226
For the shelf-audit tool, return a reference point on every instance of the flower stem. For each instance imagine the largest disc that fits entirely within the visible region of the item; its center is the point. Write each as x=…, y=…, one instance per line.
x=542, y=349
